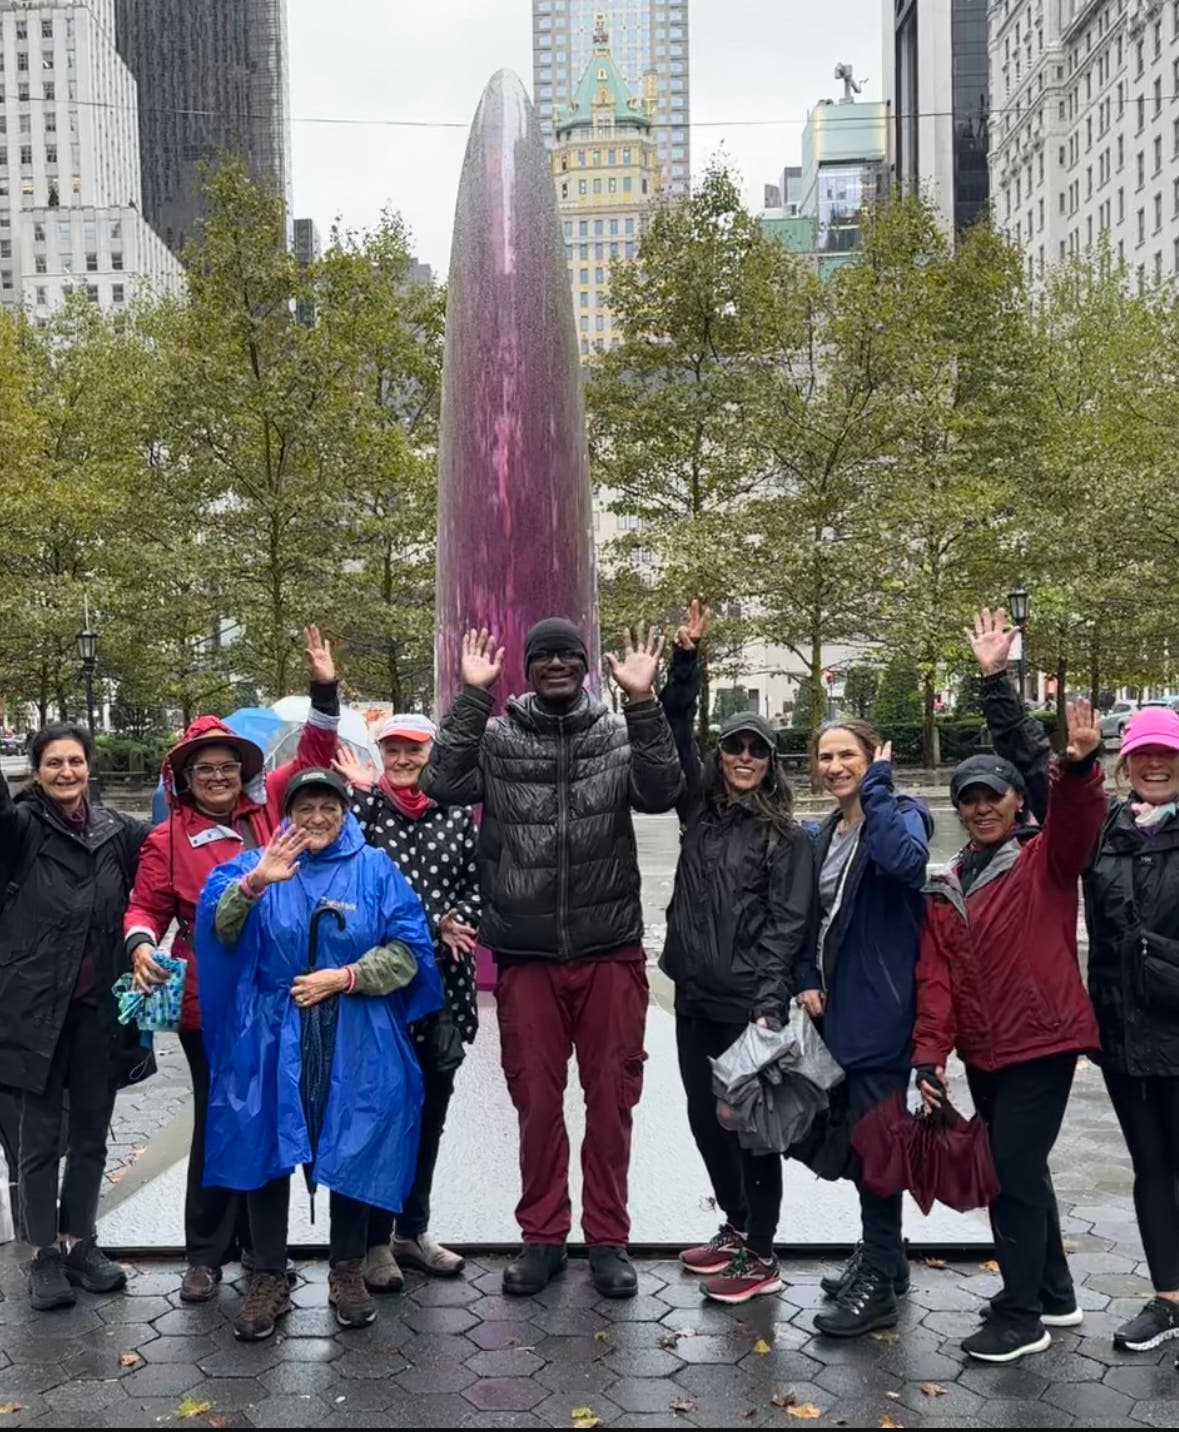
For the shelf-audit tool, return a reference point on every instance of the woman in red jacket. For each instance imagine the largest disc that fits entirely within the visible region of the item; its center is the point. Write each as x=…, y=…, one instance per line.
x=998, y=980
x=221, y=804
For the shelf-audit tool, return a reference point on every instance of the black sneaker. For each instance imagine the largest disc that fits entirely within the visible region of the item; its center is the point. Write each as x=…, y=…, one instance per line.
x=268, y=1299
x=534, y=1267
x=1063, y=1317
x=833, y=1286
x=999, y=1341
x=868, y=1302
x=87, y=1266
x=48, y=1285
x=1157, y=1323
x=612, y=1272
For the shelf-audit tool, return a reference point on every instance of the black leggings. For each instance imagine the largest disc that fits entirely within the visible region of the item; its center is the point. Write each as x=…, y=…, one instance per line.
x=270, y=1213
x=1148, y=1111
x=747, y=1186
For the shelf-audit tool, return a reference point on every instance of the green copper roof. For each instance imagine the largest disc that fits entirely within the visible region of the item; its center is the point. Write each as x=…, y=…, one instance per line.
x=602, y=74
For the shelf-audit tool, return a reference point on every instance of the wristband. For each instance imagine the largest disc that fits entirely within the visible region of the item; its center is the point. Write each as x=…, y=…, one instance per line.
x=351, y=969
x=248, y=890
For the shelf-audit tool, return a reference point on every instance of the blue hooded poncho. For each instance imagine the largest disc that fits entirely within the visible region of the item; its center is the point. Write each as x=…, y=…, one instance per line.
x=256, y=1128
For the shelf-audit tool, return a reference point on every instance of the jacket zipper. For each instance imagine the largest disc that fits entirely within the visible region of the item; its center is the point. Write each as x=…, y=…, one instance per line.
x=562, y=839
x=836, y=905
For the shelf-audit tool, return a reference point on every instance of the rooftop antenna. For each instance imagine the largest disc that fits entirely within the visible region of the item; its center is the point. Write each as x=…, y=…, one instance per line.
x=851, y=88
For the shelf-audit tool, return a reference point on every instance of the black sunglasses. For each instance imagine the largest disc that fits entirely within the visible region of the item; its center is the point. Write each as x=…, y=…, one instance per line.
x=739, y=743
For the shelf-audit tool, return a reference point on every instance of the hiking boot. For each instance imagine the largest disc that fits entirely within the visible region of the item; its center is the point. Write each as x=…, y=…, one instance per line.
x=200, y=1284
x=348, y=1295
x=87, y=1266
x=833, y=1286
x=748, y=1276
x=612, y=1272
x=534, y=1267
x=267, y=1300
x=1157, y=1323
x=381, y=1273
x=48, y=1285
x=1000, y=1341
x=868, y=1302
x=715, y=1255
x=251, y=1267
x=427, y=1255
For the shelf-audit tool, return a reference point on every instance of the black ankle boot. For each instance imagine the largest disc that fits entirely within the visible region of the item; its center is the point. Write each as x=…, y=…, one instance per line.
x=535, y=1266
x=869, y=1301
x=612, y=1272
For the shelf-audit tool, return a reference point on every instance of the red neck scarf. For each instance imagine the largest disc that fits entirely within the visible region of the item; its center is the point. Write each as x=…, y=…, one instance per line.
x=411, y=801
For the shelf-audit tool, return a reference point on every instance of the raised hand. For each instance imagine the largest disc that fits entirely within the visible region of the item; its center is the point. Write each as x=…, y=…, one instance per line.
x=689, y=633
x=320, y=662
x=355, y=771
x=1084, y=732
x=884, y=753
x=483, y=661
x=280, y=859
x=635, y=673
x=991, y=640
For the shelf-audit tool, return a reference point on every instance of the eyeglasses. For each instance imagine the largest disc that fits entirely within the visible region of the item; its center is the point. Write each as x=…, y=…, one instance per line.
x=566, y=658
x=217, y=773
x=738, y=744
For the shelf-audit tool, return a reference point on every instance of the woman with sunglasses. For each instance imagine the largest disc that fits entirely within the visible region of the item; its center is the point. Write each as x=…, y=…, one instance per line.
x=739, y=920
x=870, y=854
x=221, y=803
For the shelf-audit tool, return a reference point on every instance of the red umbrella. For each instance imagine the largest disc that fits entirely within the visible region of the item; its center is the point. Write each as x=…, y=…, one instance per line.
x=938, y=1156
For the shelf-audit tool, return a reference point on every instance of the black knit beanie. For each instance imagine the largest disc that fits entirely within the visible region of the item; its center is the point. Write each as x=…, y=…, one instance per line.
x=553, y=634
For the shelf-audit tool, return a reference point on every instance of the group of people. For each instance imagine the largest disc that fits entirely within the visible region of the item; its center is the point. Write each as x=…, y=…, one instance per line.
x=328, y=915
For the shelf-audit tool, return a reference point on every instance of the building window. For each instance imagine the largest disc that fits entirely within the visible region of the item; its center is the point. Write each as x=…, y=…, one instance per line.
x=1141, y=226
x=26, y=154
x=50, y=89
x=1158, y=212
x=597, y=186
x=583, y=299
x=117, y=293
x=51, y=154
x=629, y=225
x=583, y=275
x=39, y=263
x=628, y=185
x=581, y=186
x=565, y=190
x=611, y=185
x=583, y=251
x=1141, y=169
x=46, y=59
x=1158, y=96
x=6, y=279
x=91, y=263
x=1158, y=153
x=582, y=229
x=599, y=323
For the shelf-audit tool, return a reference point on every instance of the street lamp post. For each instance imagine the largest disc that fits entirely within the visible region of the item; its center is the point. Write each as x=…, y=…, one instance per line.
x=88, y=652
x=1018, y=603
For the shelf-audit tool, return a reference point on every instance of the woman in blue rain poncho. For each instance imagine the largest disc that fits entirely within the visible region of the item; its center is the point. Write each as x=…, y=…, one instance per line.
x=315, y=957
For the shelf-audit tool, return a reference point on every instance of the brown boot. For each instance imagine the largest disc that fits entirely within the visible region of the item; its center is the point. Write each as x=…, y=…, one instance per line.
x=200, y=1284
x=267, y=1300
x=348, y=1295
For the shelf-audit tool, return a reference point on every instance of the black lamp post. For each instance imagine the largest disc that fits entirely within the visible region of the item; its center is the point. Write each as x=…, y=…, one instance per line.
x=1018, y=602
x=88, y=652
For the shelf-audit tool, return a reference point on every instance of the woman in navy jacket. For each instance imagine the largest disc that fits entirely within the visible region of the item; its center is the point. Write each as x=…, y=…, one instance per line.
x=870, y=855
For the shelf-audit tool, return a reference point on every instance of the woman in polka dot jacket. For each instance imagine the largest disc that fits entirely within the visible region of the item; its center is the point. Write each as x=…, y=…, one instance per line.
x=435, y=848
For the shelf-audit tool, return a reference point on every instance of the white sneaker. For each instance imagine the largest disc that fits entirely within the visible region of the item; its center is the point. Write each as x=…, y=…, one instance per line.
x=427, y=1255
x=1072, y=1319
x=380, y=1270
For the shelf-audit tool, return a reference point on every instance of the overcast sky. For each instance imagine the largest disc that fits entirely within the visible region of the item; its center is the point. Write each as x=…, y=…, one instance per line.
x=427, y=60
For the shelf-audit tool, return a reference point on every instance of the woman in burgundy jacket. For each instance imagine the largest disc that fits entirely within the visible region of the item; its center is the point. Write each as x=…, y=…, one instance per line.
x=221, y=804
x=998, y=980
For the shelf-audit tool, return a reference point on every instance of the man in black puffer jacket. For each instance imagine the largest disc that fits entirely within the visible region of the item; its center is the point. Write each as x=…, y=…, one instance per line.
x=558, y=776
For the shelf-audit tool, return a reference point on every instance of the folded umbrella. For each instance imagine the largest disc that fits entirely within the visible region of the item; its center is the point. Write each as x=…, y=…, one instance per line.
x=156, y=1009
x=771, y=1084
x=938, y=1156
x=317, y=1047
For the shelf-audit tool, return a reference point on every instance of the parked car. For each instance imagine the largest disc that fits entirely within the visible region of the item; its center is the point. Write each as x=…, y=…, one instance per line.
x=1113, y=723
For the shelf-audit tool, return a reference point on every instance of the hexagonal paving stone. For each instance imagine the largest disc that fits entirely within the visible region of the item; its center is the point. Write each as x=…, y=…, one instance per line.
x=445, y=1377
x=501, y=1419
x=578, y=1379
x=569, y=1321
x=1122, y=1285
x=1018, y=1412
x=856, y=1381
x=317, y=1322
x=174, y=1349
x=784, y=1364
x=1145, y=1384
x=643, y=1362
x=428, y=1350
x=505, y=1394
x=574, y=1290
x=556, y=1408
x=240, y=1359
x=184, y=1322
x=439, y=1320
x=646, y=1308
x=361, y=1363
x=506, y=1362
x=295, y=1378
x=162, y=1379
x=80, y=1396
x=25, y=1380
x=493, y=1336
x=1160, y=1412
x=135, y=1310
x=228, y=1394
x=645, y=1394
x=1087, y=1400
x=308, y=1349
x=496, y=1307
x=952, y=1400
x=730, y=1349
x=446, y=1293
x=1023, y=1383
x=289, y=1411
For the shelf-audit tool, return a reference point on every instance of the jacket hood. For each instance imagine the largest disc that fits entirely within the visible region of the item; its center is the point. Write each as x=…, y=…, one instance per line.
x=528, y=712
x=205, y=731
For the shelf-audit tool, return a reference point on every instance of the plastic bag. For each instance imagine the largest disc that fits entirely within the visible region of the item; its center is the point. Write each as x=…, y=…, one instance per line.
x=156, y=1010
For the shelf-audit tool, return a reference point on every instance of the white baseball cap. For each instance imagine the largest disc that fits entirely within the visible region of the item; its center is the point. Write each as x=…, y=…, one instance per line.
x=408, y=725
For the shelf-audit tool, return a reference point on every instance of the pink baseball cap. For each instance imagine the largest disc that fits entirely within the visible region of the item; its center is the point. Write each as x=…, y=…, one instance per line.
x=1152, y=726
x=408, y=725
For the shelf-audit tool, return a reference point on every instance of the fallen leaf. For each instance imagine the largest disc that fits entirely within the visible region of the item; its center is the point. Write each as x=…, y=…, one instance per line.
x=682, y=1404
x=190, y=1407
x=602, y=1335
x=130, y=1359
x=685, y=1332
x=804, y=1411
x=585, y=1417
x=936, y=1263
x=1069, y=1246
x=9, y=1409
x=893, y=1396
x=783, y=1399
x=990, y=1266
x=761, y=1347
x=888, y=1420
x=1083, y=1064
x=667, y=1340
x=220, y=1419
x=934, y=1389
x=885, y=1335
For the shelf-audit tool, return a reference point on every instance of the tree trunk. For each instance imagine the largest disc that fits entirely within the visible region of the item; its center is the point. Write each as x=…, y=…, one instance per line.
x=930, y=736
x=818, y=690
x=1061, y=705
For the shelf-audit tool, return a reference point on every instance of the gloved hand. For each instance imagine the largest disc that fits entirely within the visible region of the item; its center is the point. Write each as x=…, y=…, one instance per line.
x=930, y=1084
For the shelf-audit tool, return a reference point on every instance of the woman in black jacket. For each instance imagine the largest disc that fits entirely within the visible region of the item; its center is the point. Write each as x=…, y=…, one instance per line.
x=1132, y=912
x=436, y=849
x=741, y=915
x=68, y=865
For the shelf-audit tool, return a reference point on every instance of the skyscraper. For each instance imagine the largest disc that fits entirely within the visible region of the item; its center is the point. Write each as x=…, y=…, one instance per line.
x=213, y=80
x=936, y=75
x=70, y=192
x=649, y=43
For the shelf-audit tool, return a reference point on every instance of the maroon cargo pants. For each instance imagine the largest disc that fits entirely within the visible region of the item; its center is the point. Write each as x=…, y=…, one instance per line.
x=548, y=1009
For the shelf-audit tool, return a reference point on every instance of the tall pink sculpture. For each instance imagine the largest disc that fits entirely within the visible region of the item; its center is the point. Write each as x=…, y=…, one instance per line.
x=515, y=527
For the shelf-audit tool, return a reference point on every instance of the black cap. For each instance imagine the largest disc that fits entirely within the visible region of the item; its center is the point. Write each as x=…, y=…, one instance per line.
x=993, y=772
x=749, y=721
x=553, y=634
x=316, y=776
